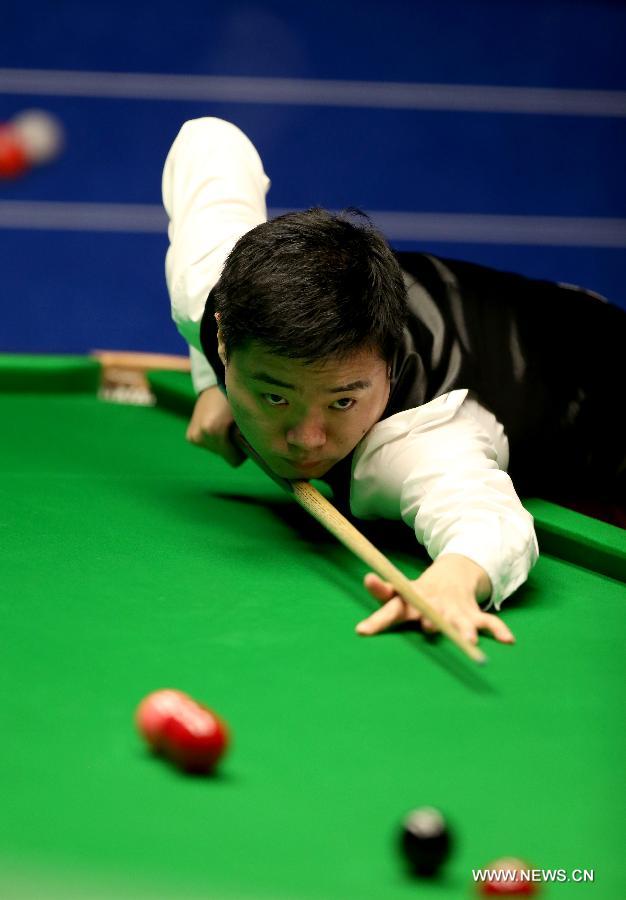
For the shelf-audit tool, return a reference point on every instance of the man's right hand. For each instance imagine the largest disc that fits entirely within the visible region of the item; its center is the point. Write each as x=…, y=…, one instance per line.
x=209, y=424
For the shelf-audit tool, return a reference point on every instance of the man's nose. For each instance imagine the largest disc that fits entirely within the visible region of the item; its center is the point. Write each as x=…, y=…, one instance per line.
x=307, y=434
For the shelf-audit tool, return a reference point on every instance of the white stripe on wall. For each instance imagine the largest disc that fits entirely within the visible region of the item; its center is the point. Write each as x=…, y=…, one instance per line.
x=310, y=92
x=397, y=226
x=55, y=216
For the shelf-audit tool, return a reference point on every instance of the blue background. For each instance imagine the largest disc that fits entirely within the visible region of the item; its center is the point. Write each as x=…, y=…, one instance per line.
x=71, y=291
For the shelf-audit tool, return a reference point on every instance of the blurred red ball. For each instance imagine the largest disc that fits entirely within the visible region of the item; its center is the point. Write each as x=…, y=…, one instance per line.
x=13, y=158
x=509, y=882
x=154, y=711
x=184, y=731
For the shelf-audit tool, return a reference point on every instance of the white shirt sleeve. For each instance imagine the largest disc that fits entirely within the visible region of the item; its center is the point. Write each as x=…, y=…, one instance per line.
x=202, y=374
x=214, y=191
x=440, y=467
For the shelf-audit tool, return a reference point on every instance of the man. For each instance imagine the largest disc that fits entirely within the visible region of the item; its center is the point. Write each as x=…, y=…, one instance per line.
x=404, y=380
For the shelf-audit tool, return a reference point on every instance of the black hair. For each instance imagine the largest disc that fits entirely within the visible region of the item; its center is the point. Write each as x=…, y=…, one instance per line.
x=311, y=285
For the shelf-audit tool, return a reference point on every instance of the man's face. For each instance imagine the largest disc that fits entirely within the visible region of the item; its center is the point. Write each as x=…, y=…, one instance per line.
x=302, y=419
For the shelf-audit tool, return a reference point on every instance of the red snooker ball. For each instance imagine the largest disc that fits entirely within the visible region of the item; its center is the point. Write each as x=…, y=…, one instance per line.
x=182, y=730
x=13, y=159
x=507, y=879
x=154, y=710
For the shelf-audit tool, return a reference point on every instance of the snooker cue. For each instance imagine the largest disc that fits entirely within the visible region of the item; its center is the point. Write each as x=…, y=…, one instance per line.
x=310, y=499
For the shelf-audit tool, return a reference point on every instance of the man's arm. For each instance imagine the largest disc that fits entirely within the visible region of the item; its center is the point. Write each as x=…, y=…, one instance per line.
x=438, y=467
x=214, y=191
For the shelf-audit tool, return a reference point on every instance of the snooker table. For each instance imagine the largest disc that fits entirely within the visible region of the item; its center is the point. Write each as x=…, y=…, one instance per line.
x=132, y=561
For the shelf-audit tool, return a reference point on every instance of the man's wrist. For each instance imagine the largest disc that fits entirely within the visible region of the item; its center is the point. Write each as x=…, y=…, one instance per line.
x=467, y=571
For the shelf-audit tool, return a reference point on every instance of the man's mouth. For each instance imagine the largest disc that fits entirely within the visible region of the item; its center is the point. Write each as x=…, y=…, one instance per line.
x=304, y=465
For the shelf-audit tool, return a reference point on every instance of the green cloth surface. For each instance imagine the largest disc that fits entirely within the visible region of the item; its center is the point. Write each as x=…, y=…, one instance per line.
x=132, y=561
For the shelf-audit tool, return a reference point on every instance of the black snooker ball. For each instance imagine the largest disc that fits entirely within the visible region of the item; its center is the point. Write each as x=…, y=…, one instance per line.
x=425, y=841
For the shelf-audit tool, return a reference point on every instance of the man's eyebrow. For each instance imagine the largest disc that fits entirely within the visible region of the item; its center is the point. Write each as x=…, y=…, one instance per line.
x=262, y=376
x=360, y=385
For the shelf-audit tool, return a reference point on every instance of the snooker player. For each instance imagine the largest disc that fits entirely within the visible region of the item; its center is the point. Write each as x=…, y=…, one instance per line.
x=406, y=381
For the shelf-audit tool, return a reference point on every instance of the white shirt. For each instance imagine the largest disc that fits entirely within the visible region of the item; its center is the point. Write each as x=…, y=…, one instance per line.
x=214, y=191
x=440, y=467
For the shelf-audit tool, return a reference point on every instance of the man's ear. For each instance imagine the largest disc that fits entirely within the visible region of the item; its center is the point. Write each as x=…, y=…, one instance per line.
x=221, y=349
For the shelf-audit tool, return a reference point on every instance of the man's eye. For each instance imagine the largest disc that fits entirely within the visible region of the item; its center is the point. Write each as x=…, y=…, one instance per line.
x=274, y=399
x=344, y=403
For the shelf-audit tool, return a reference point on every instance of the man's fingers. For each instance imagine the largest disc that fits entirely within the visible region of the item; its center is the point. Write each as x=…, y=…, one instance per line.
x=199, y=437
x=391, y=613
x=468, y=627
x=193, y=435
x=498, y=629
x=232, y=454
x=469, y=630
x=379, y=589
x=219, y=444
x=464, y=616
